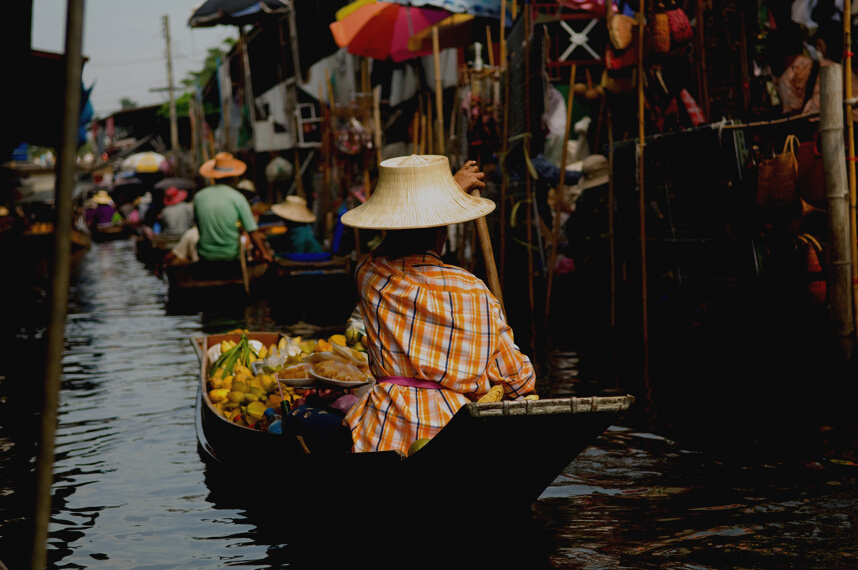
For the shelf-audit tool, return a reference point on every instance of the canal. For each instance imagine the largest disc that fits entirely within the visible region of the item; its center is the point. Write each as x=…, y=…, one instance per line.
x=700, y=475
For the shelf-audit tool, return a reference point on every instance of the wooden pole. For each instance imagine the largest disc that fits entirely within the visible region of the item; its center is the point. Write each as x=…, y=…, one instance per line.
x=248, y=86
x=503, y=36
x=174, y=128
x=376, y=119
x=489, y=45
x=850, y=141
x=641, y=192
x=439, y=94
x=526, y=146
x=488, y=254
x=558, y=197
x=839, y=232
x=611, y=244
x=503, y=189
x=701, y=51
x=59, y=281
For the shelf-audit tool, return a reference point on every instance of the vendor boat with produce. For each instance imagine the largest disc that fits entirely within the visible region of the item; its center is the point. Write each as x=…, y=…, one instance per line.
x=426, y=379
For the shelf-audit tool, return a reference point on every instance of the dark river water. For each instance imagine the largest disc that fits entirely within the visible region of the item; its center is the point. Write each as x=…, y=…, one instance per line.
x=131, y=490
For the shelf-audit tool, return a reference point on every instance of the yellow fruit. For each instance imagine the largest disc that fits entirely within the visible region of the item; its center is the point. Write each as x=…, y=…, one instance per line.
x=230, y=405
x=218, y=395
x=255, y=410
x=258, y=392
x=282, y=343
x=239, y=386
x=230, y=414
x=224, y=346
x=236, y=396
x=417, y=445
x=531, y=397
x=495, y=394
x=219, y=373
x=263, y=352
x=359, y=346
x=268, y=383
x=323, y=346
x=215, y=383
x=251, y=397
x=339, y=339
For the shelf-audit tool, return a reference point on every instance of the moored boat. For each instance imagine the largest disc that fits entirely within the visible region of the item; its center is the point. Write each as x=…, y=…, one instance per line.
x=511, y=449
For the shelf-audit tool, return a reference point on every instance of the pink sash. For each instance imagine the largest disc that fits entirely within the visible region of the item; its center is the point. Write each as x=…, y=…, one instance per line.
x=410, y=382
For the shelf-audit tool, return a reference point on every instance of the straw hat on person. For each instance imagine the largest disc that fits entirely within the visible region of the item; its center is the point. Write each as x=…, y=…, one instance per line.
x=417, y=191
x=173, y=195
x=247, y=185
x=594, y=170
x=295, y=209
x=223, y=165
x=102, y=197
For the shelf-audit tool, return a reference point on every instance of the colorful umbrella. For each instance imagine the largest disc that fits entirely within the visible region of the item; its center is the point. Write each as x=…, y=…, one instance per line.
x=479, y=8
x=381, y=30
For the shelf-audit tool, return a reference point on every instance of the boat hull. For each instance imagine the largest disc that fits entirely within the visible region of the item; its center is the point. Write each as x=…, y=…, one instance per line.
x=508, y=450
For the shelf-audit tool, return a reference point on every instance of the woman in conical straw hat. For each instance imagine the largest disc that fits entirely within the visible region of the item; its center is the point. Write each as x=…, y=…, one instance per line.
x=436, y=336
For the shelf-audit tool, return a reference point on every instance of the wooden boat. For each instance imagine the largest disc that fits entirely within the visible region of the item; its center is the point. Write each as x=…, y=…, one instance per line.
x=312, y=264
x=151, y=248
x=111, y=233
x=505, y=450
x=205, y=275
x=42, y=235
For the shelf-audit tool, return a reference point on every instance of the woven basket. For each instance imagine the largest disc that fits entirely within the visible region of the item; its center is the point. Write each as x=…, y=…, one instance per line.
x=680, y=28
x=620, y=30
x=660, y=33
x=776, y=184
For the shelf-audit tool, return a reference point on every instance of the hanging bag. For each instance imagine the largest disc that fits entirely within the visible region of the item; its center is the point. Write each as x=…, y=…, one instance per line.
x=660, y=36
x=776, y=183
x=810, y=181
x=816, y=284
x=679, y=26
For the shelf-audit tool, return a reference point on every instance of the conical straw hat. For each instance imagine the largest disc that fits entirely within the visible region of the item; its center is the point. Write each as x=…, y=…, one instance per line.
x=294, y=208
x=416, y=192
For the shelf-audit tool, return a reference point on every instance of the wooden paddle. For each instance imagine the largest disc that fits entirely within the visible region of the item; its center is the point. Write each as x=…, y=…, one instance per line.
x=488, y=254
x=242, y=256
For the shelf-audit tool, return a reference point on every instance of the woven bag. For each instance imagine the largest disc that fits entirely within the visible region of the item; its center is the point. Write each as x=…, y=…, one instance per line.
x=811, y=173
x=660, y=33
x=620, y=30
x=776, y=184
x=816, y=284
x=680, y=28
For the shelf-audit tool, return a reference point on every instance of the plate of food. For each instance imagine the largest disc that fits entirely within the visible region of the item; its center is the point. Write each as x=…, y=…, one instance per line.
x=339, y=373
x=296, y=376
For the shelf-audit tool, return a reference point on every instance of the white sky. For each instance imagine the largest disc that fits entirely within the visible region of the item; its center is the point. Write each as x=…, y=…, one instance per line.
x=125, y=43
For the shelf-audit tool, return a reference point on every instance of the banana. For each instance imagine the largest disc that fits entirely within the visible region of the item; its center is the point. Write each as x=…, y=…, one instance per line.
x=495, y=394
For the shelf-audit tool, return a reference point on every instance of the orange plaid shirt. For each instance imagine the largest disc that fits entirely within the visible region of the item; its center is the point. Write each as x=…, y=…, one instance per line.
x=431, y=321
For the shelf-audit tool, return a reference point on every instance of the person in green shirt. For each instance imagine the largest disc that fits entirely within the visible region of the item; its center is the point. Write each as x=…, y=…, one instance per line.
x=219, y=209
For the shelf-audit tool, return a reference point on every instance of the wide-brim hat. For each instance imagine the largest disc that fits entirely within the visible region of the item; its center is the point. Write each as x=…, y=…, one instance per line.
x=416, y=191
x=102, y=197
x=595, y=172
x=173, y=195
x=223, y=165
x=294, y=208
x=247, y=186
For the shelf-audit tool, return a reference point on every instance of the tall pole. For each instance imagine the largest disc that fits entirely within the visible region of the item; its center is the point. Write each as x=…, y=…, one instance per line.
x=850, y=141
x=834, y=165
x=558, y=196
x=174, y=127
x=641, y=186
x=59, y=281
x=439, y=108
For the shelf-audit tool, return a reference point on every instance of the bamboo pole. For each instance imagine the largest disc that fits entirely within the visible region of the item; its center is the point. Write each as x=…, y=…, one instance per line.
x=834, y=165
x=850, y=140
x=59, y=281
x=641, y=192
x=558, y=197
x=503, y=189
x=503, y=36
x=489, y=45
x=701, y=42
x=439, y=93
x=526, y=146
x=248, y=86
x=376, y=120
